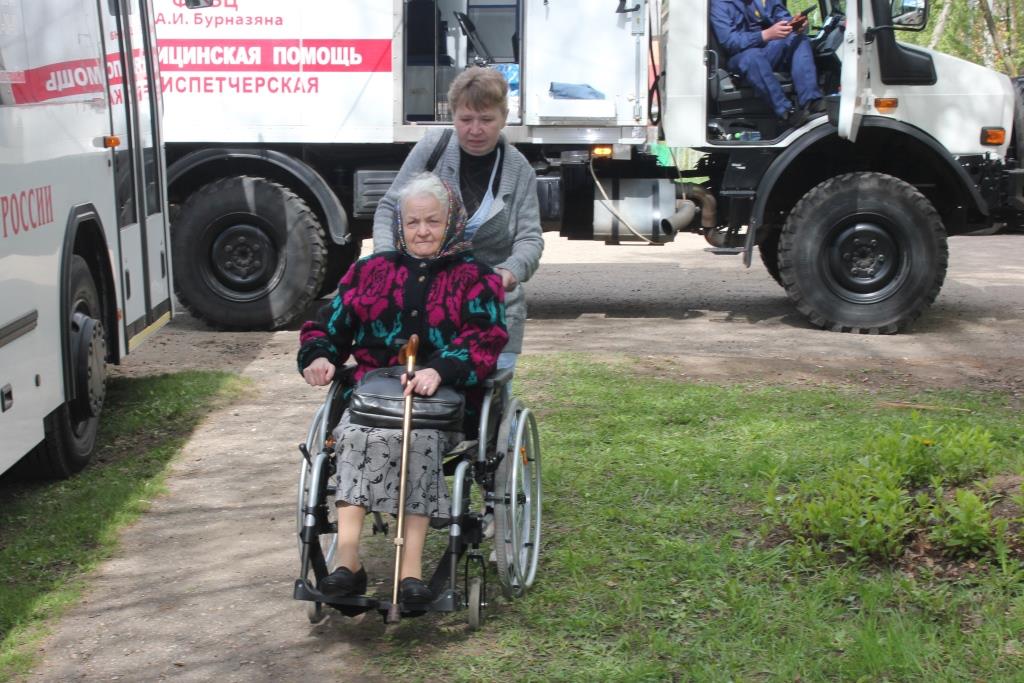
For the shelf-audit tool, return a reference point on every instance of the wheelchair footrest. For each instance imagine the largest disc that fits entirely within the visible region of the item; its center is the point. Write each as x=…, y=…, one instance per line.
x=353, y=605
x=303, y=591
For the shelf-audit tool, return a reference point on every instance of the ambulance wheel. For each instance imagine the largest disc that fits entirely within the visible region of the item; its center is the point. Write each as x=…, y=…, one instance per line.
x=863, y=252
x=475, y=599
x=248, y=254
x=70, y=431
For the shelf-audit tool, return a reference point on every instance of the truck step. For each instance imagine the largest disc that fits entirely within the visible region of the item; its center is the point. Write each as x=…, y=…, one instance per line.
x=724, y=251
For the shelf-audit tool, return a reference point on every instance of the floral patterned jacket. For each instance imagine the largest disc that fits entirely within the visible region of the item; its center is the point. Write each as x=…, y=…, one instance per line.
x=455, y=304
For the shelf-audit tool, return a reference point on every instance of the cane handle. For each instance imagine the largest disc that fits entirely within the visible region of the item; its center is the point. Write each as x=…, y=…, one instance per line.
x=409, y=350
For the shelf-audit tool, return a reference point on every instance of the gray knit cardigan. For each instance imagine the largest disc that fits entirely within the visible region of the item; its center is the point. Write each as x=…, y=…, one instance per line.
x=510, y=238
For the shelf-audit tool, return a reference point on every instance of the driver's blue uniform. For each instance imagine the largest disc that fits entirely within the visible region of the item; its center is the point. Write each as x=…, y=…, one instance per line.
x=738, y=24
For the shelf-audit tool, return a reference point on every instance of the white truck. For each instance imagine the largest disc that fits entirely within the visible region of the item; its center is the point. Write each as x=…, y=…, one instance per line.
x=287, y=121
x=84, y=238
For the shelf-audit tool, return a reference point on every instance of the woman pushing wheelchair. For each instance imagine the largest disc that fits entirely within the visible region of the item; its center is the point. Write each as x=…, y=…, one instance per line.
x=429, y=285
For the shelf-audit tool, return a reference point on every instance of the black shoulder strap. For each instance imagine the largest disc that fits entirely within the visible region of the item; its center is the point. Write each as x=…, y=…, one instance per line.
x=442, y=144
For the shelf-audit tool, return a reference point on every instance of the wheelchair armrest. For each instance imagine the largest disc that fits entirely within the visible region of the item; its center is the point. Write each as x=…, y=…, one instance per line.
x=499, y=378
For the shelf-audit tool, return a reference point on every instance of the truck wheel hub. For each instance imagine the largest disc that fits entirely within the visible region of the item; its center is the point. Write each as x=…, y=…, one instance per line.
x=243, y=258
x=864, y=261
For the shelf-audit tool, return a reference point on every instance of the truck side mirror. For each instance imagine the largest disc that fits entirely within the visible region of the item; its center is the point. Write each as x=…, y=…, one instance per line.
x=909, y=15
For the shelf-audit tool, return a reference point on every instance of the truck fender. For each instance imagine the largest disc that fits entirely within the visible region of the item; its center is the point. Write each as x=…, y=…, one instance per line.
x=782, y=162
x=337, y=218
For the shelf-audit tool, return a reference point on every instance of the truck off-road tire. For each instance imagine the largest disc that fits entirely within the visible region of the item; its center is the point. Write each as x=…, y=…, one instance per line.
x=339, y=258
x=863, y=252
x=70, y=430
x=249, y=254
x=769, y=250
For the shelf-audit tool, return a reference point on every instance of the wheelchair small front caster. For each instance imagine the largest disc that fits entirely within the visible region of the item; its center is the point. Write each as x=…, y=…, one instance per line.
x=315, y=612
x=476, y=603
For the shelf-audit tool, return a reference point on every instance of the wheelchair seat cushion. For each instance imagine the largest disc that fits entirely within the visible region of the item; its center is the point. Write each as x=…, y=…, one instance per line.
x=378, y=401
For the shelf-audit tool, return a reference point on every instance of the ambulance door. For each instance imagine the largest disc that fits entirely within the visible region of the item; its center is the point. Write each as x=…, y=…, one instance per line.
x=138, y=168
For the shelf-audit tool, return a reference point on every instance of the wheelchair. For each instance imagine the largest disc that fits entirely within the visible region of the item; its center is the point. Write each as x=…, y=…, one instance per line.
x=503, y=462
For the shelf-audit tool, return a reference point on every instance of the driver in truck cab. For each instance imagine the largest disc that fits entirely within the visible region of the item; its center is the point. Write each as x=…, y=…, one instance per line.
x=760, y=37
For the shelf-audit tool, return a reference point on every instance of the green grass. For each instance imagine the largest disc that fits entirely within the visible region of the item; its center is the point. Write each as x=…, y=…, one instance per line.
x=51, y=533
x=662, y=560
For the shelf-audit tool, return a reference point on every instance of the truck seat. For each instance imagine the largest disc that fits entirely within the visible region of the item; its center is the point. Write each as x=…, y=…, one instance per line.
x=728, y=94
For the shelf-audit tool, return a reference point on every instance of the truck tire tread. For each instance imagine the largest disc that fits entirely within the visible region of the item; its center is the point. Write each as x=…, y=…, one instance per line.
x=302, y=218
x=804, y=214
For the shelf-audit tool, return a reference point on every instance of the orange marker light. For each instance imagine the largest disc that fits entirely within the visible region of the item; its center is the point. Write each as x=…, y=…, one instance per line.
x=111, y=141
x=602, y=152
x=886, y=105
x=993, y=136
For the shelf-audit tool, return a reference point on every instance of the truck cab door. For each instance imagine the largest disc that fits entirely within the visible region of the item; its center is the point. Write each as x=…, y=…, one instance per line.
x=853, y=95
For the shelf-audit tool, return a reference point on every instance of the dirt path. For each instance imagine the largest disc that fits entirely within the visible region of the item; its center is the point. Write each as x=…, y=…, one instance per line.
x=201, y=587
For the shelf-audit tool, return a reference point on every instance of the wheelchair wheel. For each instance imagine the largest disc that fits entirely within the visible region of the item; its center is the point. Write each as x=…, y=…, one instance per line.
x=517, y=502
x=314, y=444
x=315, y=612
x=476, y=603
x=316, y=494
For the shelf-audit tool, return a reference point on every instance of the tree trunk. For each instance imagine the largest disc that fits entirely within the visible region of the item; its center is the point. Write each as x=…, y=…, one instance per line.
x=990, y=21
x=940, y=25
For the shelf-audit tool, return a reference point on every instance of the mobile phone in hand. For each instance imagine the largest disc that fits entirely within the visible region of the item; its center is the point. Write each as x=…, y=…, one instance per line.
x=802, y=17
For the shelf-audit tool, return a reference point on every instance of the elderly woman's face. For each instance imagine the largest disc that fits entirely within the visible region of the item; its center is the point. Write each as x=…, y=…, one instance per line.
x=478, y=130
x=423, y=222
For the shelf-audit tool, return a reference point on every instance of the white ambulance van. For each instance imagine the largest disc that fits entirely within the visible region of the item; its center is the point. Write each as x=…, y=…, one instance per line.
x=84, y=268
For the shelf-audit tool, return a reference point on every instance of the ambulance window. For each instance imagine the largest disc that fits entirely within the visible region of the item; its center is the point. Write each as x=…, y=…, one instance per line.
x=121, y=121
x=13, y=55
x=496, y=26
x=146, y=109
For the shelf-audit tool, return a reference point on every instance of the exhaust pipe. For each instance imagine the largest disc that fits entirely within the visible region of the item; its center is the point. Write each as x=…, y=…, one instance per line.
x=707, y=201
x=684, y=215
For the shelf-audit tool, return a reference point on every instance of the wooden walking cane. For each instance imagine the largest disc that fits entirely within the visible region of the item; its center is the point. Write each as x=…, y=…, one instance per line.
x=408, y=356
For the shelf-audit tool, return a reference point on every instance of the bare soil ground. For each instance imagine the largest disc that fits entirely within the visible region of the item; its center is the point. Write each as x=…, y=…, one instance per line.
x=201, y=588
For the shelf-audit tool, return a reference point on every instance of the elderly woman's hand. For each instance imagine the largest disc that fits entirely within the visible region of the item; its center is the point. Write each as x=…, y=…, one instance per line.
x=319, y=372
x=425, y=382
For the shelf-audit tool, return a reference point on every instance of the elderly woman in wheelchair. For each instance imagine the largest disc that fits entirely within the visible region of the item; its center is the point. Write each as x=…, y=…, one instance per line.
x=431, y=287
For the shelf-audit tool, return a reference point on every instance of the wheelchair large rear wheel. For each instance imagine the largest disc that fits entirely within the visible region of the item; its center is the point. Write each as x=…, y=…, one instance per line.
x=320, y=498
x=314, y=444
x=517, y=505
x=315, y=493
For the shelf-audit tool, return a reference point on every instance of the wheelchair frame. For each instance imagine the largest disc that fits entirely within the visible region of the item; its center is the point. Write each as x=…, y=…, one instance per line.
x=505, y=463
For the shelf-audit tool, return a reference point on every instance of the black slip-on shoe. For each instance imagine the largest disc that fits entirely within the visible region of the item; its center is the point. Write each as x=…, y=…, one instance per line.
x=796, y=117
x=414, y=591
x=816, y=106
x=343, y=582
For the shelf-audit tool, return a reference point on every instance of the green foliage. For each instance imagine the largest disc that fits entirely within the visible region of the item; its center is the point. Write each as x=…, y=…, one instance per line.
x=965, y=527
x=866, y=507
x=861, y=507
x=952, y=454
x=959, y=28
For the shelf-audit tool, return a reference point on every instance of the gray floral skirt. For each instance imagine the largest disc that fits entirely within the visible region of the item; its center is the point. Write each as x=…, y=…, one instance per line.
x=368, y=463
